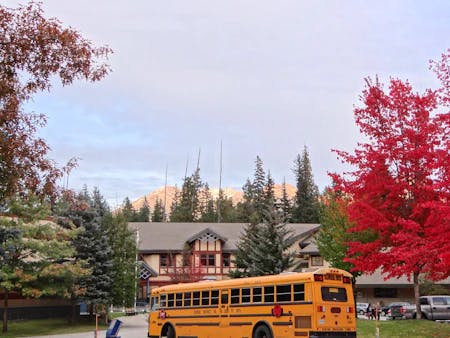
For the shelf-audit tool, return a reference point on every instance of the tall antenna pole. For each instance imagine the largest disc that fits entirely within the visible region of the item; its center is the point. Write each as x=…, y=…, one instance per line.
x=165, y=197
x=219, y=215
x=185, y=171
x=198, y=158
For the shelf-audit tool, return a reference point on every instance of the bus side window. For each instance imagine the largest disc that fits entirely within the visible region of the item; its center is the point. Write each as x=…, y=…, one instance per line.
x=224, y=297
x=257, y=295
x=284, y=293
x=235, y=296
x=154, y=304
x=205, y=297
x=179, y=300
x=214, y=297
x=170, y=298
x=246, y=295
x=187, y=299
x=299, y=292
x=196, y=298
x=163, y=300
x=268, y=294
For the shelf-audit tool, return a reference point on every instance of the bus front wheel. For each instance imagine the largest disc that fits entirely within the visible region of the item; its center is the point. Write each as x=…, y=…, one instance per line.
x=262, y=332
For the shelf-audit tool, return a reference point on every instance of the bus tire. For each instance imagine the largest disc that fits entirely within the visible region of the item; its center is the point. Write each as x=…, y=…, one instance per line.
x=262, y=331
x=168, y=331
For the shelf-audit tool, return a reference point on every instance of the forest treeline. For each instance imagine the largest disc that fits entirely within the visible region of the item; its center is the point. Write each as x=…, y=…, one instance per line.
x=194, y=202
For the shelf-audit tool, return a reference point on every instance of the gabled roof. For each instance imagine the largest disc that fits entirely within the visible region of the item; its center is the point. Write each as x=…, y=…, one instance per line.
x=158, y=237
x=206, y=233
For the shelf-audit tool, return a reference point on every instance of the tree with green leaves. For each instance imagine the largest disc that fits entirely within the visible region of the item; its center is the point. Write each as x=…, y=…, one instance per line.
x=37, y=256
x=263, y=249
x=306, y=204
x=333, y=236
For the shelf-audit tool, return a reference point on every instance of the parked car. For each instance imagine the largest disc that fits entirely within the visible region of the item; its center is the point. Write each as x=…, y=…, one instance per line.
x=396, y=310
x=432, y=307
x=361, y=308
x=141, y=307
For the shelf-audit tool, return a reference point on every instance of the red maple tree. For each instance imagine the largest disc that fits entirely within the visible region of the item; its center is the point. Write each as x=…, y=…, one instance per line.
x=400, y=188
x=33, y=51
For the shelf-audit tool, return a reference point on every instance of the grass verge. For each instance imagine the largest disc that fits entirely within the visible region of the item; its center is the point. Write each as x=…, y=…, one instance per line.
x=403, y=328
x=40, y=327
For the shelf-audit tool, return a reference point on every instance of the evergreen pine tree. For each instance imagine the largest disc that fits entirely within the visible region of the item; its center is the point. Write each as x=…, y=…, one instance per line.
x=92, y=247
x=228, y=212
x=246, y=208
x=263, y=249
x=36, y=257
x=123, y=259
x=269, y=193
x=158, y=211
x=99, y=203
x=207, y=206
x=128, y=211
x=143, y=214
x=259, y=186
x=285, y=204
x=187, y=205
x=306, y=205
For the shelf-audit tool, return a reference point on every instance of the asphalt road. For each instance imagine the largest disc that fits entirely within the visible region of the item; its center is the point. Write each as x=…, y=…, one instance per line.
x=132, y=327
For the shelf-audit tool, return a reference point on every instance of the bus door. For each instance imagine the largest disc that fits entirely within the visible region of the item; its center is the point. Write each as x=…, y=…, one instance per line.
x=224, y=308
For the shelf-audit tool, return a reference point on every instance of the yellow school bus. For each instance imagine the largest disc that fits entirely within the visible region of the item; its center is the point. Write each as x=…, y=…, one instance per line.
x=307, y=304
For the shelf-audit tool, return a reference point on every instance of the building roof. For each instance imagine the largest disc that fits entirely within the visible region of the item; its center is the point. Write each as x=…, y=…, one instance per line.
x=156, y=237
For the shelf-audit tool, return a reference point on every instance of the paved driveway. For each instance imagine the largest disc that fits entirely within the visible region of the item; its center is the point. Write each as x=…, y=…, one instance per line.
x=132, y=327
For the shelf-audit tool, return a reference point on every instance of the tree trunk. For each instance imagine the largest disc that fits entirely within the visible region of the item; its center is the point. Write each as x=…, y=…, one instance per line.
x=5, y=311
x=73, y=311
x=417, y=295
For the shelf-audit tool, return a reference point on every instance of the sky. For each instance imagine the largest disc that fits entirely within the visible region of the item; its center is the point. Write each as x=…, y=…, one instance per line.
x=264, y=78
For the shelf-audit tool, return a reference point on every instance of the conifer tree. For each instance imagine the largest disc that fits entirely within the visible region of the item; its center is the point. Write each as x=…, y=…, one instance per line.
x=187, y=205
x=36, y=256
x=92, y=246
x=128, y=211
x=143, y=215
x=306, y=204
x=228, y=212
x=207, y=206
x=263, y=249
x=285, y=204
x=246, y=208
x=123, y=259
x=259, y=186
x=158, y=211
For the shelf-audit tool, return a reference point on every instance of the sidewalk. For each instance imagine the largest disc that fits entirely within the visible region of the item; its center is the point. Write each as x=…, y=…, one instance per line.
x=132, y=327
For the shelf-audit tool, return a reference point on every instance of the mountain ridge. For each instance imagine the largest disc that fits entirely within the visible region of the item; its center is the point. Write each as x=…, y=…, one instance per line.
x=168, y=194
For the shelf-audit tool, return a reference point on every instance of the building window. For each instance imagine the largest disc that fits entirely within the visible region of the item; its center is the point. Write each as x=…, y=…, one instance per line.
x=226, y=260
x=316, y=261
x=208, y=260
x=165, y=260
x=385, y=292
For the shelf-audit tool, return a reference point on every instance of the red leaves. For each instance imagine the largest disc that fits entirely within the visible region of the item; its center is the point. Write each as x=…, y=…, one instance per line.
x=400, y=188
x=32, y=50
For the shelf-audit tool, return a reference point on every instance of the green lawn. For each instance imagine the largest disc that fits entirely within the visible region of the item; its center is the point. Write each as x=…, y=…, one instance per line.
x=403, y=328
x=23, y=328
x=366, y=328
